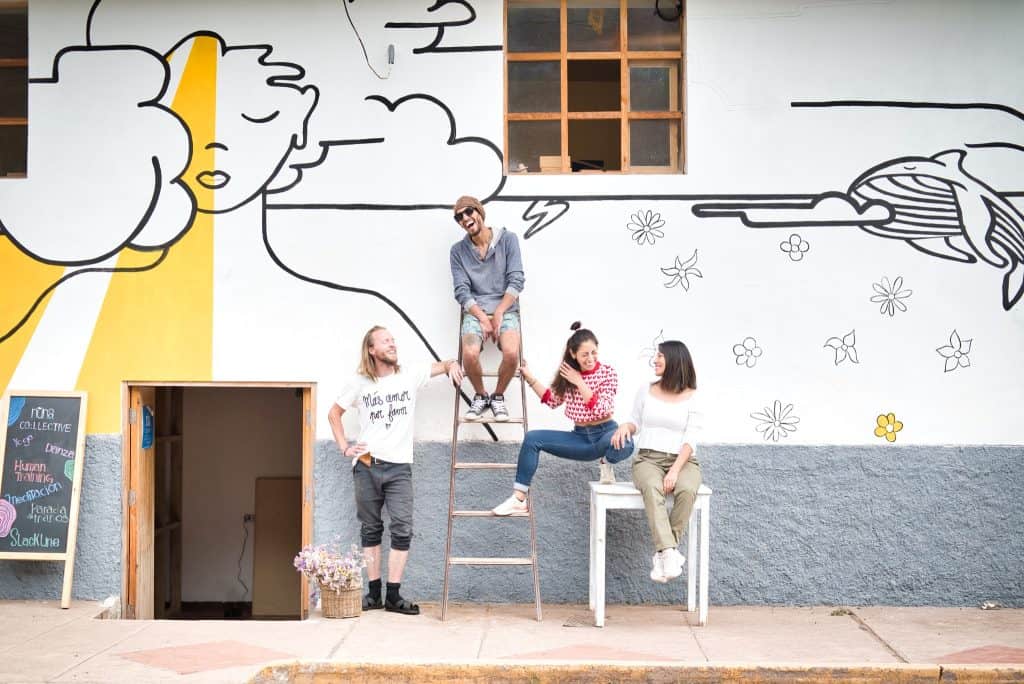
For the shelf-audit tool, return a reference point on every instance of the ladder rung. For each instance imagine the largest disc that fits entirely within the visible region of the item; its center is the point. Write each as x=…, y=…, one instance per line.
x=490, y=561
x=486, y=466
x=490, y=421
x=487, y=514
x=494, y=374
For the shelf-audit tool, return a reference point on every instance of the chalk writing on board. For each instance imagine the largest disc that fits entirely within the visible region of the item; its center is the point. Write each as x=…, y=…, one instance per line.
x=23, y=442
x=25, y=471
x=58, y=449
x=39, y=513
x=33, y=494
x=44, y=426
x=36, y=540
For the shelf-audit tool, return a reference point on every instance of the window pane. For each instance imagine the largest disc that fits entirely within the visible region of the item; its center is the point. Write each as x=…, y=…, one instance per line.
x=593, y=25
x=653, y=87
x=645, y=30
x=12, y=150
x=595, y=145
x=533, y=27
x=534, y=87
x=529, y=140
x=594, y=86
x=13, y=92
x=654, y=143
x=13, y=32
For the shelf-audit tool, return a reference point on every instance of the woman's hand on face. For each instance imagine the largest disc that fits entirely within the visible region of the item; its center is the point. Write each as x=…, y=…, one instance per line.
x=570, y=374
x=621, y=435
x=669, y=483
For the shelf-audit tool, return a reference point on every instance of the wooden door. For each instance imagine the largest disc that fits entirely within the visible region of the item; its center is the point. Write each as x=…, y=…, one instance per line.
x=308, y=437
x=141, y=485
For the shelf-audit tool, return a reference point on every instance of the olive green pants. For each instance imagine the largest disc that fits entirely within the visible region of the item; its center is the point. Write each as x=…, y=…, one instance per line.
x=649, y=468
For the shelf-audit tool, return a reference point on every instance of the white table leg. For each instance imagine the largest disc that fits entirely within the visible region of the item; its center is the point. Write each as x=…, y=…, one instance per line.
x=599, y=526
x=590, y=588
x=705, y=538
x=691, y=560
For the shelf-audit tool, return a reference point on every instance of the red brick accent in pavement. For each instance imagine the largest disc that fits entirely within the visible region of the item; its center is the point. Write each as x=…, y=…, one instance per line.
x=211, y=655
x=992, y=653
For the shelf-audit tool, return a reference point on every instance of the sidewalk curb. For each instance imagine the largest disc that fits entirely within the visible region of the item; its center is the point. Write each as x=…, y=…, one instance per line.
x=326, y=672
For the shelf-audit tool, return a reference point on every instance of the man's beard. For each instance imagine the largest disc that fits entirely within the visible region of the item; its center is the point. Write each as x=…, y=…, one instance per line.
x=382, y=361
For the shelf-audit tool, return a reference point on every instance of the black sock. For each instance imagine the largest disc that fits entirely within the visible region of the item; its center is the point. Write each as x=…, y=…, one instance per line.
x=374, y=592
x=393, y=595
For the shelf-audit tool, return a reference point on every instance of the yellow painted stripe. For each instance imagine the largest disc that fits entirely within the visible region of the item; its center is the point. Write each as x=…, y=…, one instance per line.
x=22, y=280
x=158, y=325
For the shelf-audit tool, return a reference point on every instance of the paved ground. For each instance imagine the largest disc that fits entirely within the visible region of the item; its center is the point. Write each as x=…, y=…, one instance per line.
x=41, y=643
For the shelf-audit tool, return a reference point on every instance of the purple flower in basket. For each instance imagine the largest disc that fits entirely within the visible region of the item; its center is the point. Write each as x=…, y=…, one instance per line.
x=325, y=565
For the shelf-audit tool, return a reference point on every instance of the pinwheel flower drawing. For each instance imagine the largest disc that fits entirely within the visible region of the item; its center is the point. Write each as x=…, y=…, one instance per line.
x=681, y=272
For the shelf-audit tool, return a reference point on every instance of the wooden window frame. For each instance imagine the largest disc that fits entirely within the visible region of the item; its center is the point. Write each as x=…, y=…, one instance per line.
x=15, y=63
x=624, y=56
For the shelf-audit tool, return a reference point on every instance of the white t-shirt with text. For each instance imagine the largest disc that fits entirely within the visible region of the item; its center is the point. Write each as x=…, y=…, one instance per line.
x=386, y=411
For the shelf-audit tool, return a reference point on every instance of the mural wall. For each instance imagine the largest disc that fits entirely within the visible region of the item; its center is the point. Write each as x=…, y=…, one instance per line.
x=237, y=191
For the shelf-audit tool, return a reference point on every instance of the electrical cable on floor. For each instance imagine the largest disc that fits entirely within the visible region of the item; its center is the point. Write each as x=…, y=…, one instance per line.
x=344, y=3
x=245, y=539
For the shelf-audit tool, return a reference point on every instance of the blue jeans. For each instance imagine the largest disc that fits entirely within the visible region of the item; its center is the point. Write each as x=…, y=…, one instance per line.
x=584, y=443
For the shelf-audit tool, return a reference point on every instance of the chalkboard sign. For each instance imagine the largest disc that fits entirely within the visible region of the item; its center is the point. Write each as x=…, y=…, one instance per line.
x=40, y=476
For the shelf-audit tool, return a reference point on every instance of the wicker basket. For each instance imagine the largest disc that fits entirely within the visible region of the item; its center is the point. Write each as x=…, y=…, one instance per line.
x=342, y=603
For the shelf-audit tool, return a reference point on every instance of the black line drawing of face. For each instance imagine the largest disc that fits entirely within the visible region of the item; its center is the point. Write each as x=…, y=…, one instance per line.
x=261, y=116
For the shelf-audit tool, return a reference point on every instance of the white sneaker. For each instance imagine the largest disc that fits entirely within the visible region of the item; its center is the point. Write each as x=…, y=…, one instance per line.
x=476, y=409
x=672, y=563
x=607, y=474
x=657, y=573
x=509, y=506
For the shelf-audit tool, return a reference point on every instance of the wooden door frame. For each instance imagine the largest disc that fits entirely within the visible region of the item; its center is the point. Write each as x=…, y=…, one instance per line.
x=308, y=389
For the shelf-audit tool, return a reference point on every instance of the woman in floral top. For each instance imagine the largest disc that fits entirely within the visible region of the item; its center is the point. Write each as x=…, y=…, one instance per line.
x=587, y=388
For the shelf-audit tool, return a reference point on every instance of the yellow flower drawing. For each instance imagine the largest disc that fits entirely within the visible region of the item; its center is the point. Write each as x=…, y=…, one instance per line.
x=888, y=426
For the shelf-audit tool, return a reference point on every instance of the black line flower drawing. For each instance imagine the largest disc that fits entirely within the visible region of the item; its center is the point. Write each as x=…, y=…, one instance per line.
x=776, y=421
x=747, y=352
x=681, y=272
x=646, y=227
x=795, y=247
x=890, y=296
x=956, y=352
x=649, y=352
x=845, y=347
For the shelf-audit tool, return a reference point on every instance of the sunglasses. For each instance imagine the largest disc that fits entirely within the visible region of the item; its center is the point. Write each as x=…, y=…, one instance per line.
x=465, y=213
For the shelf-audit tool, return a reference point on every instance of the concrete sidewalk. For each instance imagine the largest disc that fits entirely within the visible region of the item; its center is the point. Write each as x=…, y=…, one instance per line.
x=41, y=643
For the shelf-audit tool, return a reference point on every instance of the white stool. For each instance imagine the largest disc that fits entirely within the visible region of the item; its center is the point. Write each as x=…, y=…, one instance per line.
x=623, y=495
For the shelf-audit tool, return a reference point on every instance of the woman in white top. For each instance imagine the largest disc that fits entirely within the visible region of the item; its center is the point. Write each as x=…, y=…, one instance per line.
x=666, y=421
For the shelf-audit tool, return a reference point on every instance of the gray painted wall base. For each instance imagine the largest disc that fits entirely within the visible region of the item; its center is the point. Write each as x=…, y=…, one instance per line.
x=843, y=525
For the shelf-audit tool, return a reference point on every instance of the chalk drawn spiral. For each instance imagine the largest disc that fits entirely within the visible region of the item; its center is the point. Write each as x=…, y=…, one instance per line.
x=7, y=517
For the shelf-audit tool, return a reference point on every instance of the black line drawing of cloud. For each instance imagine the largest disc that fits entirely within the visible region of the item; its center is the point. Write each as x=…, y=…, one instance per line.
x=119, y=162
x=420, y=151
x=439, y=24
x=827, y=209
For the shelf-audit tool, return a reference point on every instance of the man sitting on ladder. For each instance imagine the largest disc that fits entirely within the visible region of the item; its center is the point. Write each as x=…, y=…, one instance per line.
x=487, y=275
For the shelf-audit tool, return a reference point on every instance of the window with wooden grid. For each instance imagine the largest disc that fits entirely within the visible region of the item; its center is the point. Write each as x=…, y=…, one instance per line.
x=594, y=86
x=13, y=88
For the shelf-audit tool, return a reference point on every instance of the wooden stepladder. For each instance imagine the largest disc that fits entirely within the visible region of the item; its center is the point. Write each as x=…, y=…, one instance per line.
x=456, y=465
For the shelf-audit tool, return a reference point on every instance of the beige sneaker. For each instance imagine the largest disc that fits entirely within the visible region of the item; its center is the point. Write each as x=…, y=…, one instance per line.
x=671, y=563
x=510, y=506
x=607, y=474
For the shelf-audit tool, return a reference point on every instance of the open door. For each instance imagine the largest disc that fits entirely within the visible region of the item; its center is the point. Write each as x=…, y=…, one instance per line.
x=141, y=485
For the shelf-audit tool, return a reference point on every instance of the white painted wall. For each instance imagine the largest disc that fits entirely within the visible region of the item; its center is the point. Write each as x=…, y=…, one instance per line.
x=231, y=437
x=747, y=61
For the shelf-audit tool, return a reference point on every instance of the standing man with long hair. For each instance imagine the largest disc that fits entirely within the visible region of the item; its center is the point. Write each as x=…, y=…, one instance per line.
x=587, y=387
x=487, y=276
x=384, y=394
x=666, y=420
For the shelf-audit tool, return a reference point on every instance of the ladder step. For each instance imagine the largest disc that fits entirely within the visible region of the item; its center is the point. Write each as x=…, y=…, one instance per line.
x=486, y=466
x=487, y=514
x=491, y=421
x=494, y=374
x=490, y=561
